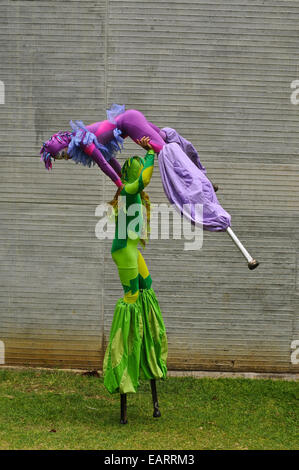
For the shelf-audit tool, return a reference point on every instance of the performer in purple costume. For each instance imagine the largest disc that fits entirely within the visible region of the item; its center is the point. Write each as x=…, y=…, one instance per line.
x=183, y=176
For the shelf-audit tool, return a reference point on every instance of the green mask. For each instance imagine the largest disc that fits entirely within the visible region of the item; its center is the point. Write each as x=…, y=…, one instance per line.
x=131, y=169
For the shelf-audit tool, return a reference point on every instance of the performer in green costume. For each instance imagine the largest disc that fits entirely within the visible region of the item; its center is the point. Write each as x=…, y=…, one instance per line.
x=138, y=343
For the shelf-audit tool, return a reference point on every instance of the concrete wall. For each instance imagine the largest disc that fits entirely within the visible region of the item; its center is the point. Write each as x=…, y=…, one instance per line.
x=220, y=73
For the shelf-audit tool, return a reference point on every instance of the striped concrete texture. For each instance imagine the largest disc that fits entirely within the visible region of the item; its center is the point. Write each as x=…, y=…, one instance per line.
x=220, y=73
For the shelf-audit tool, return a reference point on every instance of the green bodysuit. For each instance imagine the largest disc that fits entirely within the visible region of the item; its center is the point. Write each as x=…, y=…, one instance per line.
x=131, y=266
x=138, y=341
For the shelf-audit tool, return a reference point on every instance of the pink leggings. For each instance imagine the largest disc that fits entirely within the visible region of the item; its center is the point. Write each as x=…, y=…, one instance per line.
x=134, y=124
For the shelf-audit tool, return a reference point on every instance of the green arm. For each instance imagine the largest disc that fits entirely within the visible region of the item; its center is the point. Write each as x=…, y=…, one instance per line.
x=144, y=178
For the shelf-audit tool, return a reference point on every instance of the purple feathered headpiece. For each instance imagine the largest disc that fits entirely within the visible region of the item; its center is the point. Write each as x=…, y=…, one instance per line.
x=53, y=147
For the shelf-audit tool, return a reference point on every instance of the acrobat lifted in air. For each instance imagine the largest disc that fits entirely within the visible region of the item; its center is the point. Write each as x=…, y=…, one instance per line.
x=183, y=176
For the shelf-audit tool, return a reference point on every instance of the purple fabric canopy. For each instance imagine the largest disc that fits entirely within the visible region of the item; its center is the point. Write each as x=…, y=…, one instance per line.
x=185, y=184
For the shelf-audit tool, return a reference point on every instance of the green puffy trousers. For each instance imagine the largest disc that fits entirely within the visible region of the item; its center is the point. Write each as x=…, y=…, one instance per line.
x=137, y=345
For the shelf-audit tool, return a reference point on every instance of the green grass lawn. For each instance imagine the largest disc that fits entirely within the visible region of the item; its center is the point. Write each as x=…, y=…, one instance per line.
x=60, y=410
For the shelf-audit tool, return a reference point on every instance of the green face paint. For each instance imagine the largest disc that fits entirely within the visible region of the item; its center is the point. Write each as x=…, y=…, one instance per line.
x=131, y=169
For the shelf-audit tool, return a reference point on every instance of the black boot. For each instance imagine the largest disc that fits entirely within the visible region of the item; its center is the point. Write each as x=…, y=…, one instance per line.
x=123, y=408
x=215, y=187
x=156, y=413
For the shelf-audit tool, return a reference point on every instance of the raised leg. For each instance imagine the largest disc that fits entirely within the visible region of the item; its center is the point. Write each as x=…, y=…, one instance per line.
x=134, y=124
x=123, y=408
x=156, y=413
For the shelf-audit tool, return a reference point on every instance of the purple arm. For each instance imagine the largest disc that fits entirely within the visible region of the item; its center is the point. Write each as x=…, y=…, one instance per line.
x=115, y=165
x=102, y=163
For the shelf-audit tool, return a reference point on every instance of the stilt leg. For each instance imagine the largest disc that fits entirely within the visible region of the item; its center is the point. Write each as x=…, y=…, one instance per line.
x=252, y=263
x=156, y=413
x=123, y=408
